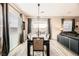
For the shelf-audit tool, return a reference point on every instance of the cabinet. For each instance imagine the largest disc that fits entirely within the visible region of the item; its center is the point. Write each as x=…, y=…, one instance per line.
x=66, y=41
x=69, y=42
x=74, y=45
x=63, y=40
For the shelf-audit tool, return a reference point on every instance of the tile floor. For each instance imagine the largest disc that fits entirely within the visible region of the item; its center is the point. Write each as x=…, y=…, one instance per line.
x=56, y=49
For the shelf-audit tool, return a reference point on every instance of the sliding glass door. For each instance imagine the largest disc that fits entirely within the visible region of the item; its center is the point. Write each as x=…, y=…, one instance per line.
x=1, y=30
x=15, y=27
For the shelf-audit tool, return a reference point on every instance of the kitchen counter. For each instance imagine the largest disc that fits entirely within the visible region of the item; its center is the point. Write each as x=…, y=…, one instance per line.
x=71, y=35
x=69, y=40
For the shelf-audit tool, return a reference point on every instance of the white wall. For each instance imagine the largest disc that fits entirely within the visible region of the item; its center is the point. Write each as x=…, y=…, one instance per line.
x=77, y=23
x=55, y=27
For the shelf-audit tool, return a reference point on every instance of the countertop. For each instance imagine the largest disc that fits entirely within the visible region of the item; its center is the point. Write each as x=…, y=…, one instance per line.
x=71, y=35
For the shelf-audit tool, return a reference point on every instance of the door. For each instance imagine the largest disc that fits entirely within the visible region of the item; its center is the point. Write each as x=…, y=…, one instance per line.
x=15, y=26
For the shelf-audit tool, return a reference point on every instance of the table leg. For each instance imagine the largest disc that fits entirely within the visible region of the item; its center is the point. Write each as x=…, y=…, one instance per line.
x=48, y=49
x=28, y=48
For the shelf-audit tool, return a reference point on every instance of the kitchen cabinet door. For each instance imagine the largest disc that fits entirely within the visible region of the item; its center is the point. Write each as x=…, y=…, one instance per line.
x=74, y=45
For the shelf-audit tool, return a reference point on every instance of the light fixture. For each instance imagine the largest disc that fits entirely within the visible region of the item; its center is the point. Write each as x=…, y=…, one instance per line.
x=38, y=17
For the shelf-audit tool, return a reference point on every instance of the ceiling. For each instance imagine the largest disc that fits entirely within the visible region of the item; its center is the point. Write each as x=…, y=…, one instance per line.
x=50, y=9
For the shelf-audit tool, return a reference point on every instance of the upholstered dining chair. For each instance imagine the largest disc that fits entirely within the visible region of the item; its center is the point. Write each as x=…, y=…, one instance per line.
x=38, y=45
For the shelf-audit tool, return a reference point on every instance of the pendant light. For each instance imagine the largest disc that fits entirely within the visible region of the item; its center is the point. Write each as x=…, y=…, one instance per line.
x=38, y=17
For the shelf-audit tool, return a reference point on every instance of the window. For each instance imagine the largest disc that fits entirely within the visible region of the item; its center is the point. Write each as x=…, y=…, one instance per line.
x=1, y=29
x=41, y=25
x=67, y=25
x=15, y=27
